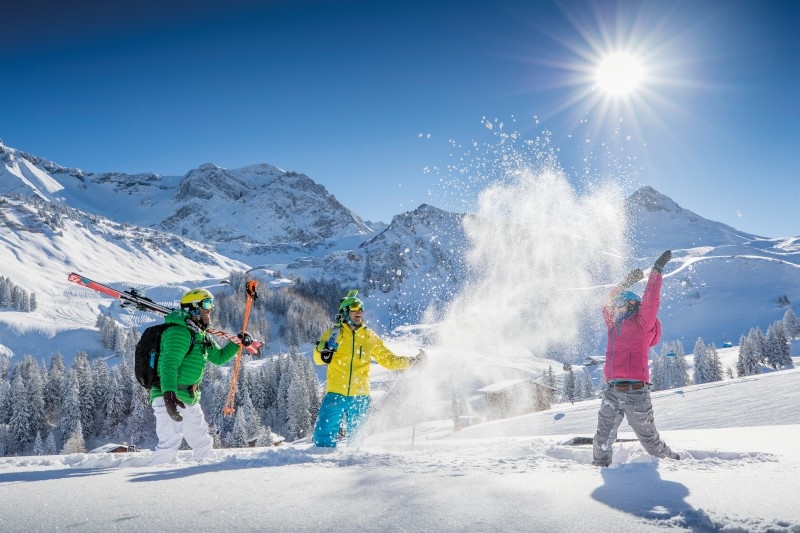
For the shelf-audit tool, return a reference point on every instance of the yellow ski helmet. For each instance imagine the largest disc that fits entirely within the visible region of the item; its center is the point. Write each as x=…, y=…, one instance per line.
x=196, y=299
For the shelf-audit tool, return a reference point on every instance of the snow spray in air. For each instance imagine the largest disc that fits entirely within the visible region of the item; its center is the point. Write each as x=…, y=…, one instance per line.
x=542, y=256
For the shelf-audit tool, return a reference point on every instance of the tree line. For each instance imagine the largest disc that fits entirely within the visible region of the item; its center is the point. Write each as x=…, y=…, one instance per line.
x=15, y=297
x=49, y=409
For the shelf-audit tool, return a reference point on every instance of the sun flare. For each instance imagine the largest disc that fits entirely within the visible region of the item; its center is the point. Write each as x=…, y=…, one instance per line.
x=619, y=74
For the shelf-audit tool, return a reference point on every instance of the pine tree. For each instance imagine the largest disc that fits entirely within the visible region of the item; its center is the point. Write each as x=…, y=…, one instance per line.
x=778, y=350
x=282, y=401
x=139, y=406
x=588, y=386
x=238, y=437
x=50, y=444
x=750, y=354
x=38, y=448
x=115, y=407
x=702, y=373
x=35, y=392
x=550, y=381
x=299, y=418
x=4, y=365
x=100, y=392
x=75, y=442
x=266, y=438
x=85, y=380
x=791, y=324
x=53, y=388
x=70, y=405
x=19, y=426
x=568, y=392
x=251, y=417
x=126, y=381
x=5, y=293
x=658, y=375
x=312, y=386
x=5, y=400
x=714, y=365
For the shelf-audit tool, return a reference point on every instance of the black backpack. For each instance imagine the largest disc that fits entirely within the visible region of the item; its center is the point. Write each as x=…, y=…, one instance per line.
x=145, y=361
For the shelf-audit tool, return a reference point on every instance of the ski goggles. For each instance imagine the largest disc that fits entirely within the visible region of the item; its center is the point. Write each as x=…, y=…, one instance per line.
x=206, y=303
x=355, y=307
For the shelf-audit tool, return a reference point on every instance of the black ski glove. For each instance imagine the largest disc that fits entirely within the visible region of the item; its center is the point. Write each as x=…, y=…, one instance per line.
x=633, y=276
x=658, y=266
x=326, y=350
x=172, y=402
x=246, y=338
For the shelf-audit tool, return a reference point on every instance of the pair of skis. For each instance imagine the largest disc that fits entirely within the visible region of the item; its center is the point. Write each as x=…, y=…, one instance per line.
x=131, y=299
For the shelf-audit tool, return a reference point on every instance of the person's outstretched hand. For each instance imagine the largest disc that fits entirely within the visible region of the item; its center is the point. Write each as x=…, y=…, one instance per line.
x=658, y=266
x=633, y=276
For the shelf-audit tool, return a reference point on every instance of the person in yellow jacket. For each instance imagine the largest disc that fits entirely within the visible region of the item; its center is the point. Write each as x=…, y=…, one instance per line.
x=348, y=349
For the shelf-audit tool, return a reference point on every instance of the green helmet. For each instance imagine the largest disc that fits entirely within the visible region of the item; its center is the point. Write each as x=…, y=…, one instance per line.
x=350, y=302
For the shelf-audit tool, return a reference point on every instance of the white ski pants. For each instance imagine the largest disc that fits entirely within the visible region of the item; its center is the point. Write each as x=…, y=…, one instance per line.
x=193, y=428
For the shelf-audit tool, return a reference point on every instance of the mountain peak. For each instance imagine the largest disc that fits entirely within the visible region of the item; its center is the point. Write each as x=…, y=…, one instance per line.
x=652, y=200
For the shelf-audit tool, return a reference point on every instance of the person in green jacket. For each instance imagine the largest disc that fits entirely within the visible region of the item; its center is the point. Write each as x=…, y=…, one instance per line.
x=348, y=349
x=181, y=364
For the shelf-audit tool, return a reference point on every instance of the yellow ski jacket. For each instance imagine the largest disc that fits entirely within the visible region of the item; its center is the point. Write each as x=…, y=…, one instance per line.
x=348, y=371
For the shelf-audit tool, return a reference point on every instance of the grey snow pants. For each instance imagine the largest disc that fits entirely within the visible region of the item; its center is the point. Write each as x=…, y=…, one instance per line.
x=636, y=406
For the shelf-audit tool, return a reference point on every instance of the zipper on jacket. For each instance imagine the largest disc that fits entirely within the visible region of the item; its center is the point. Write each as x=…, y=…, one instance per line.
x=352, y=358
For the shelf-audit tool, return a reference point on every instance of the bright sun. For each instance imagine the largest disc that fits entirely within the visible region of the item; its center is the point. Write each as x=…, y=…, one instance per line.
x=619, y=74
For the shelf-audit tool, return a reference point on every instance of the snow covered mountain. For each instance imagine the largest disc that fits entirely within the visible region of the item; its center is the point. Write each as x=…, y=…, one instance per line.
x=247, y=211
x=166, y=233
x=657, y=223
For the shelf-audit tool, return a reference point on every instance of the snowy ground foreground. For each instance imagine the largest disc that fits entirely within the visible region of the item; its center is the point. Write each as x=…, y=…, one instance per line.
x=741, y=472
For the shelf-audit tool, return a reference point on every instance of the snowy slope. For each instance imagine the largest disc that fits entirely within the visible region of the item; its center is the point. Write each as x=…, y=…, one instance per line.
x=42, y=243
x=740, y=471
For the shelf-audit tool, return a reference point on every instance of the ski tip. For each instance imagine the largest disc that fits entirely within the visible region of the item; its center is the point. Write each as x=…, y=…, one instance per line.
x=578, y=441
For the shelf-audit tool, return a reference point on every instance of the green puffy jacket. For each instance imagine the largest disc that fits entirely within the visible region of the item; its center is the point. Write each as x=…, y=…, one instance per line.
x=178, y=370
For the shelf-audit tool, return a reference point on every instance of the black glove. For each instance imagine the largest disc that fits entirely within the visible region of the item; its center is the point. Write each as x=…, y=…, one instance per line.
x=633, y=276
x=246, y=338
x=326, y=351
x=658, y=266
x=172, y=402
x=420, y=359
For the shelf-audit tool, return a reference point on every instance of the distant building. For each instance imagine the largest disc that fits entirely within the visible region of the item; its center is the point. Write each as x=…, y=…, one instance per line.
x=512, y=397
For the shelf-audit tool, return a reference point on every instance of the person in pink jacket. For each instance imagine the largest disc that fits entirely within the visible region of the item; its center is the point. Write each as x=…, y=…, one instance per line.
x=633, y=328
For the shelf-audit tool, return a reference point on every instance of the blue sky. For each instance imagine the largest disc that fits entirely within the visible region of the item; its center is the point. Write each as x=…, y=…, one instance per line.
x=385, y=102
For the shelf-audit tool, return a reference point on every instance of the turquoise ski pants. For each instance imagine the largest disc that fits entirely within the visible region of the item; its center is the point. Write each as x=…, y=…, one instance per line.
x=334, y=405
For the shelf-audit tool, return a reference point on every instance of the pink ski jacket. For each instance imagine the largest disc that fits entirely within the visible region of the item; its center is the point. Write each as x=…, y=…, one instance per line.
x=629, y=341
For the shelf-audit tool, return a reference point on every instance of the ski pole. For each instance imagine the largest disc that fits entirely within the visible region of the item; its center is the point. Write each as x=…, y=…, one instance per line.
x=229, y=409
